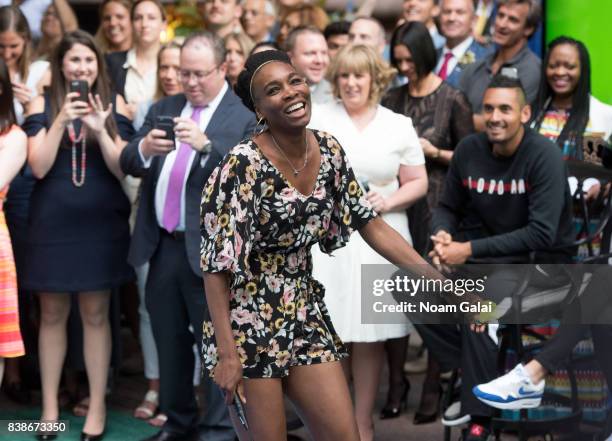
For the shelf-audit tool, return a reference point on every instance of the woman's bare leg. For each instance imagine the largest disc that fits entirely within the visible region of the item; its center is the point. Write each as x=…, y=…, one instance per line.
x=367, y=362
x=265, y=411
x=52, y=342
x=97, y=349
x=321, y=397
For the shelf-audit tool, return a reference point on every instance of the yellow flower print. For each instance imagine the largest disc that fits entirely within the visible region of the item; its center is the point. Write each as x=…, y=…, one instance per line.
x=245, y=192
x=282, y=358
x=240, y=338
x=290, y=308
x=207, y=329
x=268, y=188
x=232, y=161
x=223, y=220
x=278, y=323
x=346, y=219
x=353, y=187
x=251, y=288
x=315, y=352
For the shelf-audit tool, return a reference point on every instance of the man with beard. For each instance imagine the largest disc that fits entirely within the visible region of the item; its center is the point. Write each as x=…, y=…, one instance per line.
x=515, y=22
x=510, y=169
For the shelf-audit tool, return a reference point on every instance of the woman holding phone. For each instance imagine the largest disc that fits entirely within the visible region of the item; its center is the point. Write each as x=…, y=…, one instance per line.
x=78, y=231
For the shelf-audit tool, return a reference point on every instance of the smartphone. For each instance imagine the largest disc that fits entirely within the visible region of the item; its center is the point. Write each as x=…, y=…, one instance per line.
x=165, y=123
x=82, y=88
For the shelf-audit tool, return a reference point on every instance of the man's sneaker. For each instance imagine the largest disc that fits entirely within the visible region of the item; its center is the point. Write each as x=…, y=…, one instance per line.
x=515, y=390
x=453, y=415
x=476, y=432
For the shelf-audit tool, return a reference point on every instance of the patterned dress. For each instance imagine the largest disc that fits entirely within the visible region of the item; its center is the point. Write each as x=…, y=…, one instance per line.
x=259, y=228
x=11, y=344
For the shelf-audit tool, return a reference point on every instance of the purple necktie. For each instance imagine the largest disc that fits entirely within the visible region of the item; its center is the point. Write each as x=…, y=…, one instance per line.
x=172, y=205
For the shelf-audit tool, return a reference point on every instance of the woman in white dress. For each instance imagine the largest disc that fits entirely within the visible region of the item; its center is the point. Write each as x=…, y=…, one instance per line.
x=384, y=150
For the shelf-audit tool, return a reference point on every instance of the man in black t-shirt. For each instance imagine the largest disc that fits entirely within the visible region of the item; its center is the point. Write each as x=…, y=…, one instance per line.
x=513, y=183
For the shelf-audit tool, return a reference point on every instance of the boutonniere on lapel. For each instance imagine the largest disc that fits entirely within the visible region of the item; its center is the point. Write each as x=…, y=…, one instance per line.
x=468, y=58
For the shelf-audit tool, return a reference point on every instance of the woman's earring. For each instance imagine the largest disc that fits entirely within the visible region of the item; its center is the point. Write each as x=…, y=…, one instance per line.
x=260, y=127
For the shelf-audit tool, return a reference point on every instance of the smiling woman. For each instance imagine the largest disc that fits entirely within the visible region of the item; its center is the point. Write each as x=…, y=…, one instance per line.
x=78, y=228
x=266, y=328
x=115, y=31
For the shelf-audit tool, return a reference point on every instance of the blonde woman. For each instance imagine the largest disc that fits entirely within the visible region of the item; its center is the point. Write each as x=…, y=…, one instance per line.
x=238, y=46
x=384, y=150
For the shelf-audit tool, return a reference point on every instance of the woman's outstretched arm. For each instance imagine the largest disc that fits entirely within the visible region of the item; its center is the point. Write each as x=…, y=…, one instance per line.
x=392, y=246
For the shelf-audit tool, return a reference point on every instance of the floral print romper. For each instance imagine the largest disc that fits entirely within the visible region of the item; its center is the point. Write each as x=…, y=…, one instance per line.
x=256, y=226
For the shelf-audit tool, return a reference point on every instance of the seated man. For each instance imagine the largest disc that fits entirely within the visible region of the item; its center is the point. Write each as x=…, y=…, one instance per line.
x=514, y=182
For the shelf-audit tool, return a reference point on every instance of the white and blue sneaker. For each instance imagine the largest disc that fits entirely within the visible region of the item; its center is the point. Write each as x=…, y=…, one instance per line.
x=515, y=390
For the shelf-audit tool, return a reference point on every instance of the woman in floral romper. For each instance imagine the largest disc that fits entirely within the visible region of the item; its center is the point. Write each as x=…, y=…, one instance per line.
x=267, y=330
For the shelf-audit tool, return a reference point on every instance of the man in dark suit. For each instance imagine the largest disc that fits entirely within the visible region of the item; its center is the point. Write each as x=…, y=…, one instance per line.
x=208, y=120
x=457, y=20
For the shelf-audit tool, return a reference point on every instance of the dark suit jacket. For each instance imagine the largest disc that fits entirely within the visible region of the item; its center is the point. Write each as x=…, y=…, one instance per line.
x=477, y=50
x=117, y=73
x=230, y=124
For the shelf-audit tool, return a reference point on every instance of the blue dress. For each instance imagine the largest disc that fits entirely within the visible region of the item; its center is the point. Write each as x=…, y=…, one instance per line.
x=78, y=237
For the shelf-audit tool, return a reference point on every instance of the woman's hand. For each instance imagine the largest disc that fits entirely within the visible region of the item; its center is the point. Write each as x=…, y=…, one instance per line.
x=72, y=109
x=96, y=118
x=22, y=93
x=378, y=202
x=228, y=376
x=429, y=150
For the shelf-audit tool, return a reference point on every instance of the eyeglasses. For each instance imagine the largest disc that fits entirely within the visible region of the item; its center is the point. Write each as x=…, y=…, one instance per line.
x=185, y=75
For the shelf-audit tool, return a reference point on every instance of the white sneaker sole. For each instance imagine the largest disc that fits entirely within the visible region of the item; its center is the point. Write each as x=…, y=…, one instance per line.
x=524, y=403
x=456, y=422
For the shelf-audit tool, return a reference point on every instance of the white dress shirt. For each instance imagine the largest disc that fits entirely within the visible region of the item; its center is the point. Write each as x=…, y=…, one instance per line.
x=458, y=53
x=139, y=89
x=164, y=175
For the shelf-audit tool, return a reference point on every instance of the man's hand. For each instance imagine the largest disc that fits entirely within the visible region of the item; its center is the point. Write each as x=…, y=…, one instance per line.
x=440, y=239
x=155, y=143
x=189, y=132
x=455, y=253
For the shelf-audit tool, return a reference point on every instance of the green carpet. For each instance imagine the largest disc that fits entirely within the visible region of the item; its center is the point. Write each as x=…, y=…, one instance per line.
x=119, y=426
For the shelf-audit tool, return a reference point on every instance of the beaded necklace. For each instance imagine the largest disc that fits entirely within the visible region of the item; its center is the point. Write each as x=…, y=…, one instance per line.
x=82, y=138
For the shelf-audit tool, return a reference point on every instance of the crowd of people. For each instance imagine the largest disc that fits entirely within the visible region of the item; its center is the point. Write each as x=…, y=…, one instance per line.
x=182, y=185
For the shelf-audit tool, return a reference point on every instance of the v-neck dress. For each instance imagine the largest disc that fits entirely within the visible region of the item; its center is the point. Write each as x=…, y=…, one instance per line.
x=376, y=153
x=257, y=227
